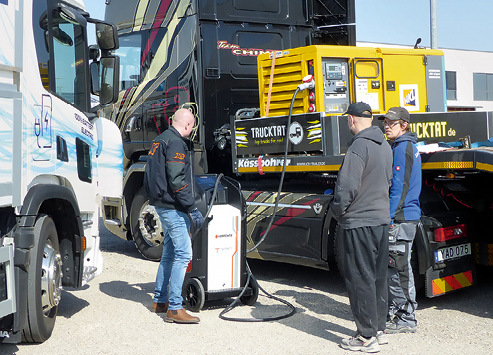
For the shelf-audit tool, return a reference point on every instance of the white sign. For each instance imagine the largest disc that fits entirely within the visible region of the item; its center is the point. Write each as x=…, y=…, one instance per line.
x=224, y=248
x=295, y=133
x=409, y=97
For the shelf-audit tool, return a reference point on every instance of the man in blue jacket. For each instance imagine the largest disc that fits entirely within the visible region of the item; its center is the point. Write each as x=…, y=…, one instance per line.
x=169, y=183
x=361, y=208
x=405, y=213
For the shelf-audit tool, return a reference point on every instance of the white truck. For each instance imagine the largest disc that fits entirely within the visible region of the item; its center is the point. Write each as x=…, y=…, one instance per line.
x=57, y=157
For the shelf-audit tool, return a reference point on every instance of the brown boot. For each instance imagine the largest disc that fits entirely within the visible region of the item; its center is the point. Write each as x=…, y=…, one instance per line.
x=159, y=307
x=180, y=316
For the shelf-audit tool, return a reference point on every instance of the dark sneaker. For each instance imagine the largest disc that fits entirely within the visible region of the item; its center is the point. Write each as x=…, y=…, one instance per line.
x=359, y=343
x=382, y=338
x=394, y=328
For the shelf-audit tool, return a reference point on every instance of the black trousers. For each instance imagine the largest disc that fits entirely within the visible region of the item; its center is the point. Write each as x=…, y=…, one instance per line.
x=366, y=253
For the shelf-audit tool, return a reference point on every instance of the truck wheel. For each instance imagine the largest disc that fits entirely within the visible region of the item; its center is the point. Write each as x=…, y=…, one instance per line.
x=194, y=295
x=147, y=231
x=339, y=251
x=250, y=300
x=44, y=282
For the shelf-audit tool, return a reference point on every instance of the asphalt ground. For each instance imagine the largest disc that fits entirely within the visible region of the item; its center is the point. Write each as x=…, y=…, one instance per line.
x=111, y=316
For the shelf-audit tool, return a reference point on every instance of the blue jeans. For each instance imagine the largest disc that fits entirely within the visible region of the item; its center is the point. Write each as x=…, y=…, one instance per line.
x=177, y=253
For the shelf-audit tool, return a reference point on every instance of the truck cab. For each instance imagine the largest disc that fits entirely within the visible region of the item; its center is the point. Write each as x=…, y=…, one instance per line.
x=56, y=153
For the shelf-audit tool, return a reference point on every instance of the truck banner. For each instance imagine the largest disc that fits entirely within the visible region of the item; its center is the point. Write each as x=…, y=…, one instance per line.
x=451, y=127
x=267, y=135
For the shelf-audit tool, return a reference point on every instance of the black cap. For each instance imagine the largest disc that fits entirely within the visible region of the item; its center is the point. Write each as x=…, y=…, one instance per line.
x=396, y=113
x=359, y=109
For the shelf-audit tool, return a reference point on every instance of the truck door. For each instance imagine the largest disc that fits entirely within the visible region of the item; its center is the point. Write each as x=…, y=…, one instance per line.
x=62, y=55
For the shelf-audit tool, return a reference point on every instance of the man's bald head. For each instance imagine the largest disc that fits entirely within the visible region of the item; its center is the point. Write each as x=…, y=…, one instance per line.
x=183, y=121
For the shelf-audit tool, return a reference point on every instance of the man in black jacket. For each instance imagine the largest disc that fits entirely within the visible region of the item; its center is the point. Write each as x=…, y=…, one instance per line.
x=361, y=208
x=170, y=185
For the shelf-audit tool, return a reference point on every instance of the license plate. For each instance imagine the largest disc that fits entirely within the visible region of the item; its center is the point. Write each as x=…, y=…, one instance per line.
x=452, y=252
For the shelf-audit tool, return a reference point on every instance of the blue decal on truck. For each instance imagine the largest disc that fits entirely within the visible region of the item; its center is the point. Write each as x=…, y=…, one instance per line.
x=5, y=2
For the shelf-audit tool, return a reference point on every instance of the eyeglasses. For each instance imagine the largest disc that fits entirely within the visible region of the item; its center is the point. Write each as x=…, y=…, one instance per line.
x=390, y=124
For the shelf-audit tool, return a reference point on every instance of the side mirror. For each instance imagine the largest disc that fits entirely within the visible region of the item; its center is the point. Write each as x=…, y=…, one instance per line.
x=107, y=36
x=95, y=83
x=110, y=80
x=72, y=16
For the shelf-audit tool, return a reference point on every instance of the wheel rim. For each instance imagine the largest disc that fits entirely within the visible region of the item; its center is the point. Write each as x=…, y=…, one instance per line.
x=192, y=295
x=51, y=278
x=150, y=226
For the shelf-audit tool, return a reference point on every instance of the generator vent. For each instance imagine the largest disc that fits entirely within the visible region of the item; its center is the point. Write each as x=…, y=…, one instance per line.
x=288, y=74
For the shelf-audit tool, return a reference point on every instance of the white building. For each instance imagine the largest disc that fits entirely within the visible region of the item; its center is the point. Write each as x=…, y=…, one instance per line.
x=469, y=77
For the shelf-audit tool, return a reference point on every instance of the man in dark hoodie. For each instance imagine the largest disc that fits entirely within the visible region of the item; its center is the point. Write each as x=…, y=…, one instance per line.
x=405, y=213
x=361, y=207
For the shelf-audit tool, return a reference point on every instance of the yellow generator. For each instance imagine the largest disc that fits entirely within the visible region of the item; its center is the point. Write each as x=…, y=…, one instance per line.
x=381, y=77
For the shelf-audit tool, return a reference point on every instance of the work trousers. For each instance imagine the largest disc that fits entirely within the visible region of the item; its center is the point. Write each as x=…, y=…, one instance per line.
x=402, y=292
x=366, y=251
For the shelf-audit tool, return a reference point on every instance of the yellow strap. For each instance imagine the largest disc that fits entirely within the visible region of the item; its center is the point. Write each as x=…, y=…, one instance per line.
x=271, y=79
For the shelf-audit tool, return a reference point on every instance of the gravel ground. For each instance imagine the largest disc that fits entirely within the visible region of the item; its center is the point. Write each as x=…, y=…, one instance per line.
x=111, y=316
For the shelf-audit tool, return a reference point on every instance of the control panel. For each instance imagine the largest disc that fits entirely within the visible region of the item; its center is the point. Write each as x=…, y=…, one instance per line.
x=336, y=85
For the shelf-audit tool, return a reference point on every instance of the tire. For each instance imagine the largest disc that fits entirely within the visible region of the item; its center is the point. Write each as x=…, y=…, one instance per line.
x=250, y=300
x=339, y=251
x=194, y=295
x=147, y=231
x=44, y=282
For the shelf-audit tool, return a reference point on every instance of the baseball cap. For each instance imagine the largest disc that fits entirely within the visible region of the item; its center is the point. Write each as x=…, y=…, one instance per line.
x=359, y=109
x=396, y=113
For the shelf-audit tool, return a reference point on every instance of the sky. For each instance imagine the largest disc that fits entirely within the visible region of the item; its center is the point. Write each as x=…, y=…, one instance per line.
x=462, y=24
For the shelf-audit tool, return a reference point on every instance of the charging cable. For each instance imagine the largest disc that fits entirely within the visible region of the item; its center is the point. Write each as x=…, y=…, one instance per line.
x=308, y=83
x=213, y=198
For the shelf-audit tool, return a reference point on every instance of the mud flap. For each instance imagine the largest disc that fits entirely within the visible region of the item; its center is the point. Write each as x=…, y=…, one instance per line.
x=453, y=277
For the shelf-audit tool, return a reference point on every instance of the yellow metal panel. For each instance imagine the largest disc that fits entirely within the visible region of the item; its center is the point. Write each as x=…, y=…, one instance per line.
x=410, y=51
x=403, y=66
x=367, y=69
x=406, y=70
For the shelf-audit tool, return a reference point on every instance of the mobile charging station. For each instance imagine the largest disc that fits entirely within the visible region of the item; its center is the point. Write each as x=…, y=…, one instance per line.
x=218, y=267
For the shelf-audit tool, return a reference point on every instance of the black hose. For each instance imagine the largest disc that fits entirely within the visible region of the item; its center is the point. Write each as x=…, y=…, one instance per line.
x=276, y=204
x=233, y=304
x=283, y=173
x=213, y=198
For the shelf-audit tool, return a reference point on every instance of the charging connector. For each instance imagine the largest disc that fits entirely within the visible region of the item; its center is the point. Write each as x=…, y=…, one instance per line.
x=308, y=83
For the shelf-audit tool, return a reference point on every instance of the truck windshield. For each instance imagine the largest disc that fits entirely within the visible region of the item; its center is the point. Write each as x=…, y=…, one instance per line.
x=130, y=56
